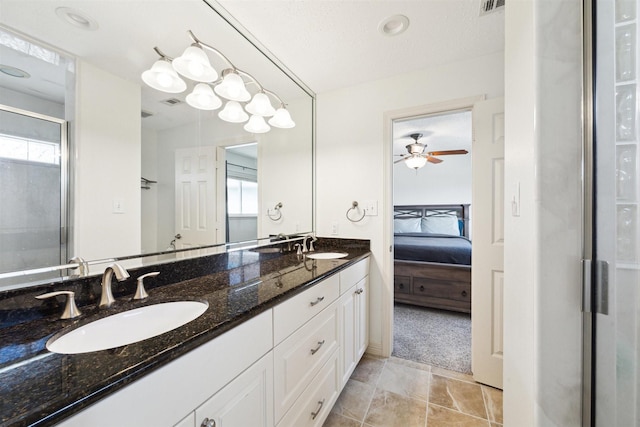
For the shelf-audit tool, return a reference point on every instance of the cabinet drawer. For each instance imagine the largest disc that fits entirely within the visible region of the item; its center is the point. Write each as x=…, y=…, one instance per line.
x=402, y=284
x=353, y=274
x=299, y=358
x=314, y=405
x=451, y=291
x=295, y=312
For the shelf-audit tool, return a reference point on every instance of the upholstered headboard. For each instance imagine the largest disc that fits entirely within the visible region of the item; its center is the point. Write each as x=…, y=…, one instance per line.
x=421, y=211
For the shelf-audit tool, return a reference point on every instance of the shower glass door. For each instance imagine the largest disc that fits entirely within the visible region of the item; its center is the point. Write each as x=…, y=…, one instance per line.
x=32, y=191
x=616, y=344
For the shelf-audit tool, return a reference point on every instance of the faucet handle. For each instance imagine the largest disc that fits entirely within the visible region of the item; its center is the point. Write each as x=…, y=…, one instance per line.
x=71, y=310
x=141, y=292
x=299, y=246
x=313, y=239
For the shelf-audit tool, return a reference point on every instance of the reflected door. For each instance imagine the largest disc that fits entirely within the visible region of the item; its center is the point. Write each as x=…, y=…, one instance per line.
x=195, y=206
x=616, y=318
x=32, y=190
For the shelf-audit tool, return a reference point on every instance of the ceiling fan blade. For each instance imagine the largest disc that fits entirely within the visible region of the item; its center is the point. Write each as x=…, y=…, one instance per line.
x=433, y=160
x=446, y=152
x=400, y=160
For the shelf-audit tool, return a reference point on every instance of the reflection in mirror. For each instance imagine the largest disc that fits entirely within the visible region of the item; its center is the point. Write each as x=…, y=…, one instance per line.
x=147, y=172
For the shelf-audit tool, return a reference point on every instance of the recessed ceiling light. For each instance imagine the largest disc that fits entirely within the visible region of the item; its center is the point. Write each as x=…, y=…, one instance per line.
x=14, y=72
x=77, y=18
x=393, y=25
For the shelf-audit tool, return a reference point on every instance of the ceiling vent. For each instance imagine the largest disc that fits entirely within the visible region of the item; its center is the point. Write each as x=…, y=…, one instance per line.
x=171, y=101
x=490, y=6
x=146, y=114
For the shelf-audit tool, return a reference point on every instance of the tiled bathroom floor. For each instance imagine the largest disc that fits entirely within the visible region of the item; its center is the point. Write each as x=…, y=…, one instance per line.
x=399, y=393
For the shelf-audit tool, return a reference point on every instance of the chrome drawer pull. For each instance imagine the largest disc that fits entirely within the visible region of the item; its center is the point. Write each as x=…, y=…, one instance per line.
x=318, y=300
x=208, y=423
x=315, y=350
x=315, y=414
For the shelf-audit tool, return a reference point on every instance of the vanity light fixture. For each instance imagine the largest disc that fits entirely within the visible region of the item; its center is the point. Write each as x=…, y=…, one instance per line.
x=194, y=65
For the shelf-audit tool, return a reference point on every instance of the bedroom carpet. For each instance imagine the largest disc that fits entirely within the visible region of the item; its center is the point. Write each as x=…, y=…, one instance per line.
x=434, y=337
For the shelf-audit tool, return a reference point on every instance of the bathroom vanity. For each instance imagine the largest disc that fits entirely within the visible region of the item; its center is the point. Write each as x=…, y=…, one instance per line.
x=280, y=337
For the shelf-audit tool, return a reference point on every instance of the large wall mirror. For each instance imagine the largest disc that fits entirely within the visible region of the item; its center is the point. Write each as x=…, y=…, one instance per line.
x=95, y=163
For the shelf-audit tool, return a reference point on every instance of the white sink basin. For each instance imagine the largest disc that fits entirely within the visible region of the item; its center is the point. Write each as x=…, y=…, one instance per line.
x=326, y=255
x=127, y=327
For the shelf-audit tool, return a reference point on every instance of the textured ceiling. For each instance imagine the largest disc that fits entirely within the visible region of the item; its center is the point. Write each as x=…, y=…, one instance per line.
x=330, y=44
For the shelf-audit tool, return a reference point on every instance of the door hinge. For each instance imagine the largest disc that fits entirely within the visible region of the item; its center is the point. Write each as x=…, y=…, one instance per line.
x=595, y=286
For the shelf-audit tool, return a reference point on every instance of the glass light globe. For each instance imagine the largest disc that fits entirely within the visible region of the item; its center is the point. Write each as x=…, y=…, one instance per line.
x=232, y=87
x=416, y=161
x=260, y=105
x=194, y=64
x=203, y=98
x=256, y=124
x=282, y=119
x=233, y=113
x=163, y=77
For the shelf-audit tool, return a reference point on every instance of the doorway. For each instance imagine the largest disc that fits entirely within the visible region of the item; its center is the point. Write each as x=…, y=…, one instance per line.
x=432, y=191
x=242, y=192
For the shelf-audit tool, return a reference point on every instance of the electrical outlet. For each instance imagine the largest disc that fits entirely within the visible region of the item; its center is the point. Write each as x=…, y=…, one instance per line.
x=334, y=228
x=118, y=206
x=370, y=207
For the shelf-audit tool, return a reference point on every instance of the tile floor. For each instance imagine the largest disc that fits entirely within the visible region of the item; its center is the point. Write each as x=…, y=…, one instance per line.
x=399, y=393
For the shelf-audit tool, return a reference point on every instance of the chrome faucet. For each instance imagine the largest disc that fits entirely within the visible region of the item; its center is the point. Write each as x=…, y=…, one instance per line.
x=107, y=299
x=304, y=243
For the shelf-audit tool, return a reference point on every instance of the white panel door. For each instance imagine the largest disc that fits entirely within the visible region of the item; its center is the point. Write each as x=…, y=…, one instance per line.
x=487, y=260
x=195, y=207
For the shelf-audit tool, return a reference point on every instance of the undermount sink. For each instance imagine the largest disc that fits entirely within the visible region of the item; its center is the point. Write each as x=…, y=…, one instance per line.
x=127, y=327
x=326, y=255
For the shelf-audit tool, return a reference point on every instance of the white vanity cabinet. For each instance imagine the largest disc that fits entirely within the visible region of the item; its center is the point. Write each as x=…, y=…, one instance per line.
x=174, y=391
x=354, y=316
x=285, y=367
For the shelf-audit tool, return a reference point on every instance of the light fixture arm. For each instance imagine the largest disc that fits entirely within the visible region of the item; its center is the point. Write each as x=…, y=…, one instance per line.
x=162, y=54
x=212, y=49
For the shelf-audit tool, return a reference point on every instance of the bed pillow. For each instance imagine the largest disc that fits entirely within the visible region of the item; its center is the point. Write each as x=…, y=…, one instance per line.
x=407, y=225
x=441, y=224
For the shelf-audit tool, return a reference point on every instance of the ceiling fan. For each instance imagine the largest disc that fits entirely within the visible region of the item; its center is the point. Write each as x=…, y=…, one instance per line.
x=417, y=157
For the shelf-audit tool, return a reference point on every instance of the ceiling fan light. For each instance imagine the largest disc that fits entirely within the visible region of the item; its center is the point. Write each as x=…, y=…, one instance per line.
x=194, y=64
x=203, y=98
x=282, y=119
x=260, y=105
x=232, y=88
x=233, y=113
x=256, y=124
x=415, y=161
x=163, y=77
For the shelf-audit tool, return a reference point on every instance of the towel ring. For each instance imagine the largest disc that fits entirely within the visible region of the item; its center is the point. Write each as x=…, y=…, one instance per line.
x=278, y=212
x=354, y=207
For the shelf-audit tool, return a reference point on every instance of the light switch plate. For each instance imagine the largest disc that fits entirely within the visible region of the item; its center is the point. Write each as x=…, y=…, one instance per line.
x=370, y=207
x=118, y=206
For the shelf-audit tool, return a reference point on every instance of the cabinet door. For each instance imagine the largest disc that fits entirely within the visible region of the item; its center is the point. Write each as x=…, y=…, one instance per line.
x=245, y=401
x=362, y=312
x=348, y=348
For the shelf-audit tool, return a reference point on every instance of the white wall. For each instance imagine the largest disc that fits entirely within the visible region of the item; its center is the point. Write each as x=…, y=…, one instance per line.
x=542, y=335
x=32, y=103
x=107, y=142
x=351, y=148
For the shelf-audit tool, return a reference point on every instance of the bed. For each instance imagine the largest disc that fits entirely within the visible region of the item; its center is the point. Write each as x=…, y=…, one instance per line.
x=432, y=256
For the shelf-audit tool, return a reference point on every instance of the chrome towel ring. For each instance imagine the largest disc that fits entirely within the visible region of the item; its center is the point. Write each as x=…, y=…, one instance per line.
x=275, y=214
x=354, y=207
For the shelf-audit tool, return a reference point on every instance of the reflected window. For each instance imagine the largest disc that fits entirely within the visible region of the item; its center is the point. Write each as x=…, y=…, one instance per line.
x=242, y=197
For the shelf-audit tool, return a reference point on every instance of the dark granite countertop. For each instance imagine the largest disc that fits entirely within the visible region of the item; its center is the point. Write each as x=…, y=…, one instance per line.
x=41, y=388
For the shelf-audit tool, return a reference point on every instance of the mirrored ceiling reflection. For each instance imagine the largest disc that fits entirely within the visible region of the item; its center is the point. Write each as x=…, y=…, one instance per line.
x=145, y=165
